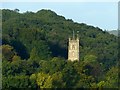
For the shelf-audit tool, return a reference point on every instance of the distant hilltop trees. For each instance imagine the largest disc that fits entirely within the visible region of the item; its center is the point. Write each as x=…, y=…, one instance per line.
x=114, y=32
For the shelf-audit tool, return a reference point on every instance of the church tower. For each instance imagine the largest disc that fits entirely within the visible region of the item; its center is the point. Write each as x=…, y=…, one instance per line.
x=73, y=48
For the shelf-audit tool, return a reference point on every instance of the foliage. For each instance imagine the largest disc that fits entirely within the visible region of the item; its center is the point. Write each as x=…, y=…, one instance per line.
x=15, y=81
x=44, y=80
x=7, y=52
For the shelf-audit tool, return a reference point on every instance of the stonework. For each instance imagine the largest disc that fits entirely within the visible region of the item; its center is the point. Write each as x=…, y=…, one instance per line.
x=73, y=49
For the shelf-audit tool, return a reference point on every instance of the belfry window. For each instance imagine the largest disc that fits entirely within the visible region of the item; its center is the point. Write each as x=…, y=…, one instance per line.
x=73, y=47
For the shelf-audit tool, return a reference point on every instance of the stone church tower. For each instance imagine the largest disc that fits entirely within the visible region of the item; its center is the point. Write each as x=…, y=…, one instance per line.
x=73, y=48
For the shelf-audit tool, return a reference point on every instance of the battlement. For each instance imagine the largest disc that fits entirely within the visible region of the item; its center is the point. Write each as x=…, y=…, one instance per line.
x=71, y=39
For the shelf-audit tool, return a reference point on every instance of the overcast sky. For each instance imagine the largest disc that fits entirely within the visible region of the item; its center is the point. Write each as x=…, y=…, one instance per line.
x=99, y=14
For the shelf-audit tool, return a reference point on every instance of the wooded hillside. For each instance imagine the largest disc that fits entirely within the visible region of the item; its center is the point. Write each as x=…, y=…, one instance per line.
x=34, y=47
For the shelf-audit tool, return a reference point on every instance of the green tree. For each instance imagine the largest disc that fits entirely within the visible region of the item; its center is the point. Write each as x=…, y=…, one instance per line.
x=33, y=78
x=58, y=80
x=8, y=52
x=44, y=80
x=90, y=59
x=112, y=78
x=92, y=66
x=20, y=81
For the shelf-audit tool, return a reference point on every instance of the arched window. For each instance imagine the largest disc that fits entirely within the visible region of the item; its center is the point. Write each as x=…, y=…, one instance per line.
x=73, y=47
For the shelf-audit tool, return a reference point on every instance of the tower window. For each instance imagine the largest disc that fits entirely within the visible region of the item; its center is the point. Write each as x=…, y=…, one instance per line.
x=73, y=47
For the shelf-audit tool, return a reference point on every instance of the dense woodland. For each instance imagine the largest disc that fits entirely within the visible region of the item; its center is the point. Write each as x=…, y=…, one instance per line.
x=34, y=52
